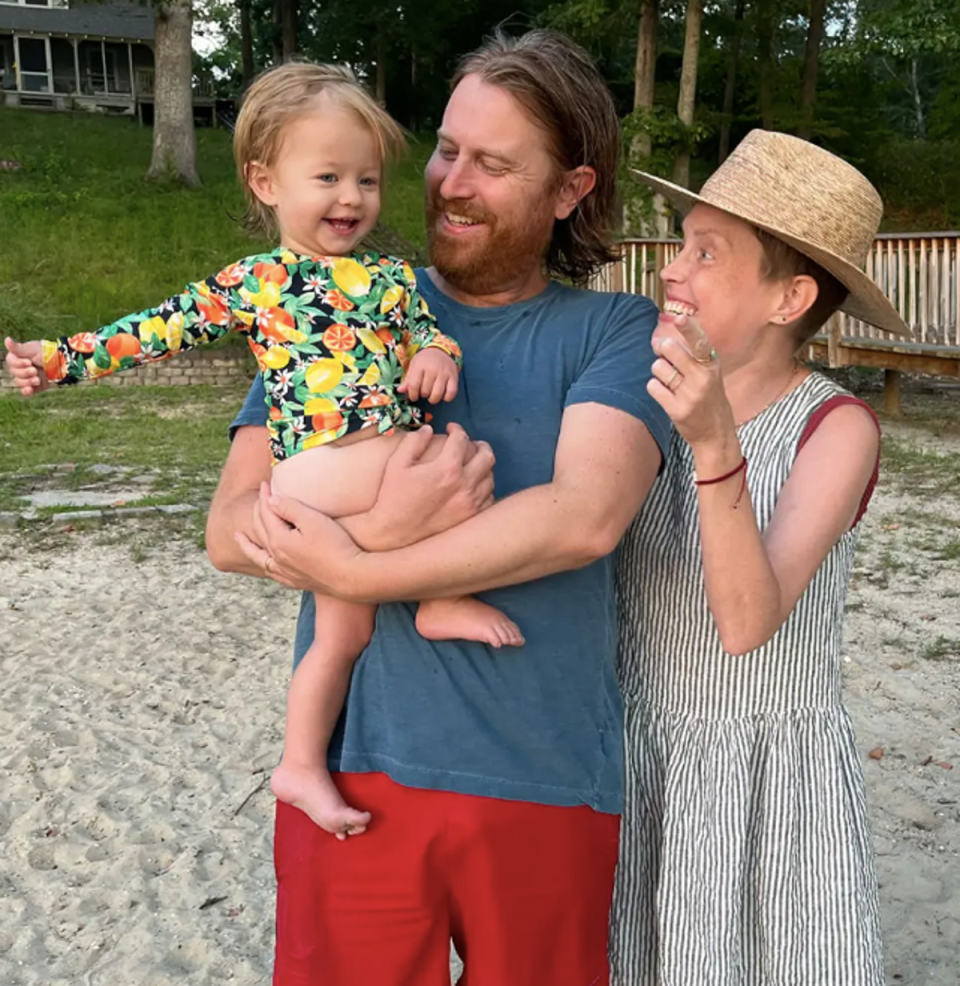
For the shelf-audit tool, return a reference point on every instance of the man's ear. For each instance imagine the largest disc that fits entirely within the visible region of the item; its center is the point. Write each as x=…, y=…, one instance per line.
x=577, y=185
x=260, y=180
x=798, y=298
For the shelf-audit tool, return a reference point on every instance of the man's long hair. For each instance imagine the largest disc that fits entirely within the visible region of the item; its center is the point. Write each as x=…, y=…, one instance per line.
x=562, y=91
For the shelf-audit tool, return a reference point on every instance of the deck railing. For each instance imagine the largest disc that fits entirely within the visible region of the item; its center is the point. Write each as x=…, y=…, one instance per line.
x=146, y=83
x=918, y=272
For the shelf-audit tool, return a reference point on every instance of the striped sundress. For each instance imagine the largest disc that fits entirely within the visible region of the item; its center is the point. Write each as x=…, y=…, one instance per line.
x=745, y=856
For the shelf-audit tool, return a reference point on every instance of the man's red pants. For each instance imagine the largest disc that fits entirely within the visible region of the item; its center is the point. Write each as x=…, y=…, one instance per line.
x=522, y=889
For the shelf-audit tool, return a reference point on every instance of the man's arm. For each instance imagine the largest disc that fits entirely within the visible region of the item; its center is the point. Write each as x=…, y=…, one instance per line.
x=605, y=463
x=232, y=507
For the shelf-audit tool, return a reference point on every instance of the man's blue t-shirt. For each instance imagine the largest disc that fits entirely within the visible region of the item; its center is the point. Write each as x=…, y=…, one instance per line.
x=542, y=722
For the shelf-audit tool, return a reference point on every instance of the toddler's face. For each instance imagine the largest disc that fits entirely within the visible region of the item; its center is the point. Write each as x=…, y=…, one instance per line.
x=324, y=186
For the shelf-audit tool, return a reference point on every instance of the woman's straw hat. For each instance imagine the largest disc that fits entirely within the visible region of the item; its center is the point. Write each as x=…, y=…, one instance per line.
x=807, y=197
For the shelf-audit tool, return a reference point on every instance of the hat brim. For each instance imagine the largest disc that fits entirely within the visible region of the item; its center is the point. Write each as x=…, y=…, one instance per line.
x=866, y=301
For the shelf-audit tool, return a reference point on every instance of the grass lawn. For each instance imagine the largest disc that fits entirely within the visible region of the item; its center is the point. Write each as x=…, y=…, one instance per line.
x=87, y=240
x=175, y=437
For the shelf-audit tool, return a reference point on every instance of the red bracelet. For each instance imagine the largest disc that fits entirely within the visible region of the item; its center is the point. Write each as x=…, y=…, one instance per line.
x=725, y=476
x=742, y=467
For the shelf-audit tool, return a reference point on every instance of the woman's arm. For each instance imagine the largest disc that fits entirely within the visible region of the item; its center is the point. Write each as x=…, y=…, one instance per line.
x=605, y=464
x=752, y=579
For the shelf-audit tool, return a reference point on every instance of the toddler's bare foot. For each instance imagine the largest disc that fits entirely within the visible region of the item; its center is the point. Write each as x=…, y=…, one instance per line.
x=311, y=789
x=466, y=618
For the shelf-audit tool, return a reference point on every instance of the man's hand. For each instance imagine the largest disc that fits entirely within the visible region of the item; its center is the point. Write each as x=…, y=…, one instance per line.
x=423, y=493
x=433, y=375
x=25, y=365
x=288, y=539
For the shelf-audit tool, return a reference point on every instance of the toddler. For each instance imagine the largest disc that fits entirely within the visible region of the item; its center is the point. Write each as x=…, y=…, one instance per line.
x=345, y=345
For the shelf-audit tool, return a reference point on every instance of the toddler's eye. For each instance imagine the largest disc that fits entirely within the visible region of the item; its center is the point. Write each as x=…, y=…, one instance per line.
x=328, y=179
x=369, y=182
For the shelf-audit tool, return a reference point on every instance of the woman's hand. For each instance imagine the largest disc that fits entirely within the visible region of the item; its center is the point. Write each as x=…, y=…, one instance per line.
x=422, y=495
x=688, y=385
x=299, y=547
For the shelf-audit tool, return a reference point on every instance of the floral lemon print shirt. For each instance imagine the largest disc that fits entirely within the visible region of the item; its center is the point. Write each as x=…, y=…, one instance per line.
x=332, y=336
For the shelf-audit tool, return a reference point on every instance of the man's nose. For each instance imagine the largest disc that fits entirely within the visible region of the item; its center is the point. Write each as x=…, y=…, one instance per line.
x=457, y=183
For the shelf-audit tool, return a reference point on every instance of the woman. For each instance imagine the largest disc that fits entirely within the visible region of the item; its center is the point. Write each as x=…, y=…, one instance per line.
x=745, y=851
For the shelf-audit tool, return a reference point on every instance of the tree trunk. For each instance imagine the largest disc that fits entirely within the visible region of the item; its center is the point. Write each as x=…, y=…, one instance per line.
x=645, y=73
x=730, y=91
x=174, y=143
x=686, y=104
x=917, y=100
x=765, y=32
x=414, y=102
x=246, y=44
x=381, y=78
x=808, y=89
x=276, y=40
x=288, y=24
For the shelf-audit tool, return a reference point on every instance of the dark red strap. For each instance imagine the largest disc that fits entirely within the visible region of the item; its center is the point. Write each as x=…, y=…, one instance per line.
x=816, y=419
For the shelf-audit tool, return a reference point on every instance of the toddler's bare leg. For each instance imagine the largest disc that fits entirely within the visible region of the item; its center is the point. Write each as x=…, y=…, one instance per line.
x=314, y=701
x=343, y=481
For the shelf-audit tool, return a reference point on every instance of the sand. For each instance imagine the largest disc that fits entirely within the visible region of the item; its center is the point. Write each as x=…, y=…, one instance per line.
x=142, y=708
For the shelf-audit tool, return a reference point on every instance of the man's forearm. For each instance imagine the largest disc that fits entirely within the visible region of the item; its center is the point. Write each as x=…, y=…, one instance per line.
x=223, y=523
x=527, y=536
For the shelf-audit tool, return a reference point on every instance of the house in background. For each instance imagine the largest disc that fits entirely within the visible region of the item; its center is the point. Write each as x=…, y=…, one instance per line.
x=56, y=54
x=96, y=56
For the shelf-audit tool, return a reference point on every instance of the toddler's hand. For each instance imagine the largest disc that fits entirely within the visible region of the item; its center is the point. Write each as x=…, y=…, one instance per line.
x=433, y=375
x=25, y=365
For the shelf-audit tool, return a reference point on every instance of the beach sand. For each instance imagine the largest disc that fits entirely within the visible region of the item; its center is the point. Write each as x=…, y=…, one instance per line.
x=141, y=712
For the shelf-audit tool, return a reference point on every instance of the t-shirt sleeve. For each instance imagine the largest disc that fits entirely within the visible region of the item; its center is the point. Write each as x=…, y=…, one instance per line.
x=617, y=370
x=254, y=410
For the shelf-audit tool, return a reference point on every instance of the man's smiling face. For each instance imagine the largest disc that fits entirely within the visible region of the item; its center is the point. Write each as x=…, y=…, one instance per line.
x=491, y=191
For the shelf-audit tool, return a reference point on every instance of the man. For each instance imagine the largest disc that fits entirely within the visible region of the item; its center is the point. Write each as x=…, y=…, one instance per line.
x=494, y=778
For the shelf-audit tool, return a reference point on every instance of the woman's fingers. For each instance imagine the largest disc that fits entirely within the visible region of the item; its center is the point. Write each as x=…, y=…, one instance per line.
x=667, y=373
x=697, y=343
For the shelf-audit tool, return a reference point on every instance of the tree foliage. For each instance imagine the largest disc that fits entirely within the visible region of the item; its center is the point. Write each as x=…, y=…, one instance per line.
x=877, y=81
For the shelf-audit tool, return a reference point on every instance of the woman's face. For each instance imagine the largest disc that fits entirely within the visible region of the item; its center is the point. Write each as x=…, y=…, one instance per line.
x=717, y=279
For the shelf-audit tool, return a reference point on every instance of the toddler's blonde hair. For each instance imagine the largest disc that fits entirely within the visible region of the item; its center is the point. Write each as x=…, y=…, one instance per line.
x=281, y=94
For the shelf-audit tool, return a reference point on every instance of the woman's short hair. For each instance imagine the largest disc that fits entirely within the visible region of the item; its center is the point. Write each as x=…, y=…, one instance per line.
x=280, y=95
x=781, y=261
x=563, y=92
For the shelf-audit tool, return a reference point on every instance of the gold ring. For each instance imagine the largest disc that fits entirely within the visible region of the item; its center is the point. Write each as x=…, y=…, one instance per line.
x=268, y=563
x=709, y=358
x=673, y=376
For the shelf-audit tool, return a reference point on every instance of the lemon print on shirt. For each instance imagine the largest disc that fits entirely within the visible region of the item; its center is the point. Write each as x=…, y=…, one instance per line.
x=391, y=297
x=350, y=276
x=323, y=375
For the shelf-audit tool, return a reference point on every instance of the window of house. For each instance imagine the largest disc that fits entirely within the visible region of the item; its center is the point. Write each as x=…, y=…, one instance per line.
x=36, y=3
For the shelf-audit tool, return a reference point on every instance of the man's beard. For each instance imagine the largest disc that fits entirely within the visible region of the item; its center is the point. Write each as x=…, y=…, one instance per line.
x=510, y=249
